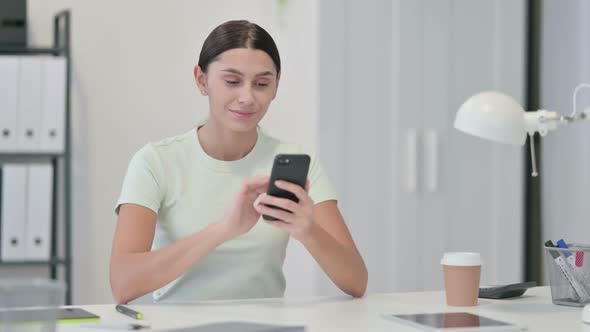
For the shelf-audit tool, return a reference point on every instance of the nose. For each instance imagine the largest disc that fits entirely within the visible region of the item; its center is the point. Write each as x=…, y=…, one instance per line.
x=246, y=96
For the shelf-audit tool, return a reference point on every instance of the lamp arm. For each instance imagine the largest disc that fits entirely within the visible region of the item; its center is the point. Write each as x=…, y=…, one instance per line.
x=542, y=121
x=534, y=172
x=575, y=96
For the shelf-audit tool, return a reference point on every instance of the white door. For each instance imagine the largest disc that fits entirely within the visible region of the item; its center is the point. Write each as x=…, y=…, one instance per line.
x=412, y=187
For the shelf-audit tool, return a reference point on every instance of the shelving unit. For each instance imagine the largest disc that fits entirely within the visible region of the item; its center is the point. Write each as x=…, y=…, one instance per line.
x=62, y=174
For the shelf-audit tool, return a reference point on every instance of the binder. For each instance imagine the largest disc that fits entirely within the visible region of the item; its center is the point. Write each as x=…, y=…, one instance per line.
x=29, y=104
x=13, y=212
x=9, y=75
x=54, y=104
x=39, y=212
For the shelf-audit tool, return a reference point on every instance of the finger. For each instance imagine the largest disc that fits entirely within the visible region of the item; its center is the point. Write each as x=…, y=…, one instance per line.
x=259, y=191
x=256, y=182
x=280, y=224
x=283, y=203
x=257, y=201
x=276, y=213
x=294, y=188
x=256, y=185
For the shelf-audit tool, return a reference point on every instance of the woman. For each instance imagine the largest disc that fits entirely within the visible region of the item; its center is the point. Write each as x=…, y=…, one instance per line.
x=189, y=225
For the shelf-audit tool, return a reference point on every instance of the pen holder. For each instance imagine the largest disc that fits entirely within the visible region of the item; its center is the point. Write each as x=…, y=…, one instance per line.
x=569, y=274
x=18, y=294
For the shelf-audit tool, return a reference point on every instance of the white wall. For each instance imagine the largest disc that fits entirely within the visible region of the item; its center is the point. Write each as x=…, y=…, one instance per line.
x=132, y=83
x=566, y=152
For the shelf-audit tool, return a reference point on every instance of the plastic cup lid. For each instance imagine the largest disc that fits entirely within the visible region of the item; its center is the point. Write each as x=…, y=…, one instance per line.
x=461, y=259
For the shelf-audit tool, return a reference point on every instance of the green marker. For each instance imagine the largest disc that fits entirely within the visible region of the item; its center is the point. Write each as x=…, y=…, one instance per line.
x=128, y=312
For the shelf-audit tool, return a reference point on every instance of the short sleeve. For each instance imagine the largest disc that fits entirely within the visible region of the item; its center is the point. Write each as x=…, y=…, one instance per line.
x=320, y=187
x=144, y=182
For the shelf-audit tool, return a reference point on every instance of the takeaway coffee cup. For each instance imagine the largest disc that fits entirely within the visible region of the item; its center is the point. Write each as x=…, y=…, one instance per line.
x=461, y=272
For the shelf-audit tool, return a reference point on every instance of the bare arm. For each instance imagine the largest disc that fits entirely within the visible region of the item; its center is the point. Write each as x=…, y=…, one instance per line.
x=322, y=230
x=136, y=271
x=331, y=245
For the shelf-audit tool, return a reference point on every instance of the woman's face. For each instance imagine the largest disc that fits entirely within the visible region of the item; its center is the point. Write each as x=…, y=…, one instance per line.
x=240, y=85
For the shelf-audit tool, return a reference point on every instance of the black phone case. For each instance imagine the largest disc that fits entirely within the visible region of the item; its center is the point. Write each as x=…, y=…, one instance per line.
x=505, y=291
x=294, y=171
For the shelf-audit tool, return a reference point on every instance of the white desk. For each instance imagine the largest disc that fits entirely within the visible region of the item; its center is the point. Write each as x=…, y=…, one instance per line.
x=342, y=314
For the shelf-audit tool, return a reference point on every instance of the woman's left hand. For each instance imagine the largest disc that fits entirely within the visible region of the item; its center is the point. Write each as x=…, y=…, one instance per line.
x=297, y=220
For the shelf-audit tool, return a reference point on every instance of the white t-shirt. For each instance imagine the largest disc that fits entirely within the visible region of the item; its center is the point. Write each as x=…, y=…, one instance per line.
x=188, y=190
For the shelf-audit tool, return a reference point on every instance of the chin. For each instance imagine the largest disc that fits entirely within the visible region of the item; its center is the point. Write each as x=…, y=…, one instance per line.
x=242, y=127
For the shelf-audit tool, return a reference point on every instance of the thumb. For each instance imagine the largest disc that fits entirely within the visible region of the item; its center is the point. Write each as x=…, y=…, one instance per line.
x=257, y=201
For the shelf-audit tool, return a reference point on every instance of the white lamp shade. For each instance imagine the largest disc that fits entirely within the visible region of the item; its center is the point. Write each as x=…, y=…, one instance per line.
x=493, y=116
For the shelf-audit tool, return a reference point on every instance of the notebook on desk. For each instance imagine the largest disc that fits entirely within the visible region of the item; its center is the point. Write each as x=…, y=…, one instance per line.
x=240, y=327
x=61, y=315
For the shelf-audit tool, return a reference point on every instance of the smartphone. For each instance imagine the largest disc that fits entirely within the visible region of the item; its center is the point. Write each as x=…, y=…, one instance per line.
x=291, y=168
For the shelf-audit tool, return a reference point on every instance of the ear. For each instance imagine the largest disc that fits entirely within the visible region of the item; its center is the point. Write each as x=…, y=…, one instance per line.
x=201, y=80
x=277, y=85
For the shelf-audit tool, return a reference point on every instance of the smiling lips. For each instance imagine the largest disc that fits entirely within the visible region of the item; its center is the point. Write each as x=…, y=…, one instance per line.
x=242, y=115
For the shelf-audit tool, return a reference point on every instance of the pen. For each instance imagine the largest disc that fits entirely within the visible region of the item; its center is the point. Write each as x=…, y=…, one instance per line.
x=128, y=312
x=568, y=273
x=127, y=327
x=571, y=259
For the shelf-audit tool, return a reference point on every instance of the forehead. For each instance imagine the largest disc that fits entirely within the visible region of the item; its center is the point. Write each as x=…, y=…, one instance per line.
x=245, y=60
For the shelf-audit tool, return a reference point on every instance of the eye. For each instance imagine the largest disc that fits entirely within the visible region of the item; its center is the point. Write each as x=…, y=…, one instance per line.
x=232, y=82
x=262, y=84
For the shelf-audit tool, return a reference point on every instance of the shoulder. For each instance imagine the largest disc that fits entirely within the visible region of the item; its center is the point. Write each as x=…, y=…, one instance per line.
x=174, y=143
x=283, y=146
x=166, y=148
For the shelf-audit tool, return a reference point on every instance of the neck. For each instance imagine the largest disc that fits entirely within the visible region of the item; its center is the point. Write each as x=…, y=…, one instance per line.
x=224, y=144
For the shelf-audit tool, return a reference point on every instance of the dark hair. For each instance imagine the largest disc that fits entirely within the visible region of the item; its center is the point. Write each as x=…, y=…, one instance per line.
x=238, y=34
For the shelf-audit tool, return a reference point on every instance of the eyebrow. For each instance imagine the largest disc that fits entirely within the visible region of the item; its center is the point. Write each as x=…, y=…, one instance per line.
x=237, y=72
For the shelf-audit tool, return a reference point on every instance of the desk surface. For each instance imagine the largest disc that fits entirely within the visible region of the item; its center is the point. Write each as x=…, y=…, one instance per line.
x=534, y=310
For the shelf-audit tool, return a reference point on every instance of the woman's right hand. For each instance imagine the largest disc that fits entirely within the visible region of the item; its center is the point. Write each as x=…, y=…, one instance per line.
x=241, y=215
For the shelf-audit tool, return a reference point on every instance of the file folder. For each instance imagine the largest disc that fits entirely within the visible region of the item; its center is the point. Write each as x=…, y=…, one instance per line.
x=13, y=212
x=54, y=104
x=39, y=212
x=29, y=104
x=9, y=75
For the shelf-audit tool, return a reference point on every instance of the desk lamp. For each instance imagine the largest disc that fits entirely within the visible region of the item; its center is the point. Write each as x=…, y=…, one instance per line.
x=498, y=117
